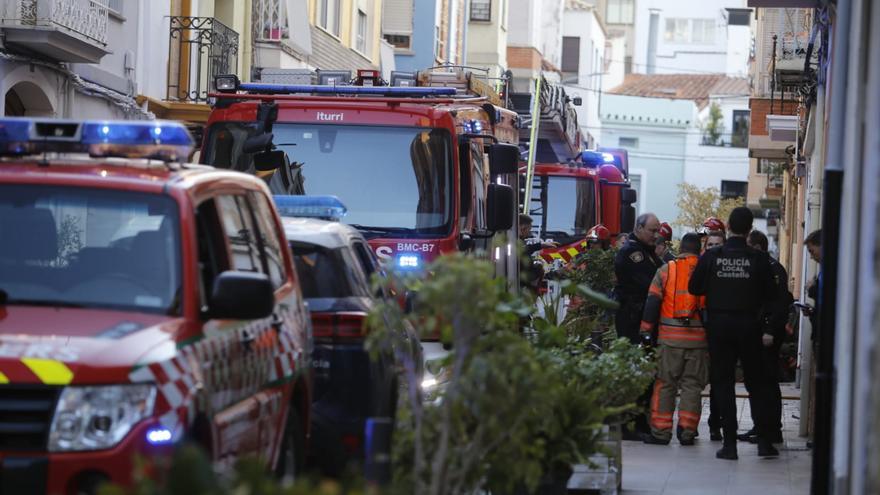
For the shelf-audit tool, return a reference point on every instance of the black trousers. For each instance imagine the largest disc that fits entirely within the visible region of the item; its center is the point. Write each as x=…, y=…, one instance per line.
x=628, y=320
x=732, y=337
x=770, y=360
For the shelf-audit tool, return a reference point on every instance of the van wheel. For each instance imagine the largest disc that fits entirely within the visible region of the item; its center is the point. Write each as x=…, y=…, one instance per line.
x=291, y=459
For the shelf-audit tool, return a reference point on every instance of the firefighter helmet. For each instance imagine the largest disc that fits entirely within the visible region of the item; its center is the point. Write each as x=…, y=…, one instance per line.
x=712, y=224
x=599, y=233
x=666, y=232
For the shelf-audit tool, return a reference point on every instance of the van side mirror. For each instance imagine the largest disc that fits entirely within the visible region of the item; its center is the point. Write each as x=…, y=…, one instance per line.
x=268, y=161
x=500, y=207
x=503, y=159
x=242, y=296
x=628, y=195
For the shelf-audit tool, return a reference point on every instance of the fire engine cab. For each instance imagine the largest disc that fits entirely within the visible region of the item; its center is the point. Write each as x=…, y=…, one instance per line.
x=143, y=302
x=424, y=165
x=572, y=189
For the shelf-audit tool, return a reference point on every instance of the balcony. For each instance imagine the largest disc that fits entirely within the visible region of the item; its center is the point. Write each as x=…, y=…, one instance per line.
x=728, y=140
x=63, y=30
x=199, y=49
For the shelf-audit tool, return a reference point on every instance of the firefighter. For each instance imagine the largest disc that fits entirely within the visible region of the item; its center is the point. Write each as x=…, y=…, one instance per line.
x=635, y=265
x=683, y=354
x=711, y=227
x=737, y=281
x=599, y=237
x=665, y=237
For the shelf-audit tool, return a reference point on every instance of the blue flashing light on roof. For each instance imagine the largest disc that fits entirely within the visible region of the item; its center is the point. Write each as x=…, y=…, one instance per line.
x=264, y=88
x=162, y=140
x=324, y=207
x=593, y=158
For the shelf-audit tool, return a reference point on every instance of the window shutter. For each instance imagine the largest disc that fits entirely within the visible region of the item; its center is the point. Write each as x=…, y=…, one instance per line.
x=397, y=17
x=571, y=52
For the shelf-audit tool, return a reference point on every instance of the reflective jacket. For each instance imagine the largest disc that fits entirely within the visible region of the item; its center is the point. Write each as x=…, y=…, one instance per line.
x=673, y=310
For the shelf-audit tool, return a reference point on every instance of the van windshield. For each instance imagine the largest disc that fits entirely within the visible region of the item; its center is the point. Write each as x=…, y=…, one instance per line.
x=85, y=247
x=394, y=181
x=562, y=208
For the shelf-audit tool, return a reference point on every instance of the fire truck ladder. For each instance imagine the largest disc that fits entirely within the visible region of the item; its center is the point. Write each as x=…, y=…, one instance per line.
x=559, y=126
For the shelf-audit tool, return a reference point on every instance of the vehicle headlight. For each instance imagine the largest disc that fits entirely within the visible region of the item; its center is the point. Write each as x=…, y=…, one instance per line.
x=98, y=417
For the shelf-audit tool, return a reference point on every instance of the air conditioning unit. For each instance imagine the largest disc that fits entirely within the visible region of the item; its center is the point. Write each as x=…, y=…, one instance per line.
x=782, y=127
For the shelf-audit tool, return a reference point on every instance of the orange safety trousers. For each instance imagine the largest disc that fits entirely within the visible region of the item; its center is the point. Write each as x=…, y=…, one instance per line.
x=684, y=369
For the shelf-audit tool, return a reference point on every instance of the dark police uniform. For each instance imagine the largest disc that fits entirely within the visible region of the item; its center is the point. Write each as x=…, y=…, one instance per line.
x=775, y=318
x=737, y=282
x=635, y=265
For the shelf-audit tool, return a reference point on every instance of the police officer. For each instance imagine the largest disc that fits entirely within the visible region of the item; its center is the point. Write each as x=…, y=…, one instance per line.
x=774, y=318
x=635, y=265
x=737, y=281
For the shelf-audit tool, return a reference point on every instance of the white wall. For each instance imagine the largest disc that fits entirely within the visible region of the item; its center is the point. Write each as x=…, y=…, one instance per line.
x=585, y=24
x=689, y=57
x=151, y=69
x=525, y=17
x=705, y=165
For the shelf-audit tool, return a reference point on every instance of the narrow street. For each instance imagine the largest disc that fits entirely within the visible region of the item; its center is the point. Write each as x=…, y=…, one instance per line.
x=673, y=469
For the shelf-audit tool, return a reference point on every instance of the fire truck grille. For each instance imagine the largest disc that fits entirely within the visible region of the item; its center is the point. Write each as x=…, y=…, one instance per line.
x=25, y=417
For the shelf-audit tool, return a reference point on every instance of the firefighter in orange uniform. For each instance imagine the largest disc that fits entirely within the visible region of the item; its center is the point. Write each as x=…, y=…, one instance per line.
x=683, y=355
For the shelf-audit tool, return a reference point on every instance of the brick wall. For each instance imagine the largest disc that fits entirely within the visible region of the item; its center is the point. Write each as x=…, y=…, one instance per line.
x=523, y=58
x=760, y=108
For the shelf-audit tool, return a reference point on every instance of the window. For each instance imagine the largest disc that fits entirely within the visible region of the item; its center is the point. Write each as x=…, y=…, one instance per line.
x=361, y=44
x=328, y=15
x=619, y=12
x=400, y=41
x=481, y=10
x=324, y=273
x=773, y=169
x=733, y=189
x=739, y=17
x=115, y=5
x=504, y=13
x=235, y=216
x=465, y=188
x=480, y=177
x=571, y=52
x=211, y=248
x=628, y=142
x=680, y=30
x=438, y=44
x=741, y=122
x=269, y=239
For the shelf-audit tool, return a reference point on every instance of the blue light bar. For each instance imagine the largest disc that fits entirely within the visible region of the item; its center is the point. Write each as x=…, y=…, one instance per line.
x=345, y=90
x=163, y=140
x=593, y=158
x=324, y=207
x=159, y=436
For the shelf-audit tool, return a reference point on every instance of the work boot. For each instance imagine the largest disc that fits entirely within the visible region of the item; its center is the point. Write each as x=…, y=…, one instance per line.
x=650, y=439
x=715, y=434
x=766, y=449
x=749, y=436
x=728, y=452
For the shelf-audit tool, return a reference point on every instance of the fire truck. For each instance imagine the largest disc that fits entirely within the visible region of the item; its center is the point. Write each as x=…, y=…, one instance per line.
x=425, y=165
x=573, y=189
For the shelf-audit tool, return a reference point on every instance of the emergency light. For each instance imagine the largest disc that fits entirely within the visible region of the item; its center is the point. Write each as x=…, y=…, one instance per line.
x=265, y=88
x=323, y=207
x=408, y=261
x=595, y=159
x=156, y=139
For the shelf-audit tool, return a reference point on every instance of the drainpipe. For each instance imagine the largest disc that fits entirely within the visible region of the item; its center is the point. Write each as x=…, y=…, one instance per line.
x=449, y=29
x=653, y=27
x=823, y=458
x=466, y=22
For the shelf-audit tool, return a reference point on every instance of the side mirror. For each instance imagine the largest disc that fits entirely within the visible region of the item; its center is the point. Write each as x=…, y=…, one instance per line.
x=500, y=208
x=267, y=161
x=577, y=101
x=242, y=296
x=503, y=159
x=258, y=143
x=628, y=195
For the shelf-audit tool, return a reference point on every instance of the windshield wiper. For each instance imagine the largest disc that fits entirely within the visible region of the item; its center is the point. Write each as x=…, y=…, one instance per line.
x=39, y=302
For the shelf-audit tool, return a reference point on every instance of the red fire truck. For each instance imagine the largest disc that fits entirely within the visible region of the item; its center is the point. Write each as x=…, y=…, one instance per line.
x=573, y=189
x=423, y=165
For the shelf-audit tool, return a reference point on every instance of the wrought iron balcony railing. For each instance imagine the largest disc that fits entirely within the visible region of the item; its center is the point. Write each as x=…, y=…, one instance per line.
x=199, y=49
x=85, y=18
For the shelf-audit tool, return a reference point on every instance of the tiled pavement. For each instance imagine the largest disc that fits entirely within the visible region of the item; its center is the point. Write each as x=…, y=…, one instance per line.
x=673, y=469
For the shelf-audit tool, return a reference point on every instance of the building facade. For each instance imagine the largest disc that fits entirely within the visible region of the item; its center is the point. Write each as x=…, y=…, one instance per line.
x=487, y=33
x=426, y=33
x=584, y=51
x=677, y=37
x=82, y=64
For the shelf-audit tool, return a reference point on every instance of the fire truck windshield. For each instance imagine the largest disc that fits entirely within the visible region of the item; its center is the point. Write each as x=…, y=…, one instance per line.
x=394, y=181
x=93, y=248
x=563, y=208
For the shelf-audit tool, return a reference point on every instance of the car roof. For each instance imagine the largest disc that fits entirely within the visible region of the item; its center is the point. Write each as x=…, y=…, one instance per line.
x=324, y=233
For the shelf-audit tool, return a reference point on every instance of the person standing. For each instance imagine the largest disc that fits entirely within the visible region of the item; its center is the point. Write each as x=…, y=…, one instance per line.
x=774, y=317
x=683, y=357
x=737, y=281
x=635, y=265
x=713, y=238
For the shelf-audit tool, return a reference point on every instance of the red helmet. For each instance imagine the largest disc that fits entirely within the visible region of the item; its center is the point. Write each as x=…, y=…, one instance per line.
x=713, y=224
x=599, y=233
x=666, y=231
